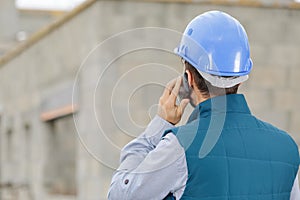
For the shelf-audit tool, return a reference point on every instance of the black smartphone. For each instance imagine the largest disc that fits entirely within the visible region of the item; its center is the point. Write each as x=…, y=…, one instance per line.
x=184, y=91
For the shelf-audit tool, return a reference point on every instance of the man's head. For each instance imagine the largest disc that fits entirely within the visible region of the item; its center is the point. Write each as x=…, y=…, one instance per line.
x=201, y=88
x=216, y=52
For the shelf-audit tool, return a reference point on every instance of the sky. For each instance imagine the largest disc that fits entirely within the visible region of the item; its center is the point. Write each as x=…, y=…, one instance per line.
x=57, y=5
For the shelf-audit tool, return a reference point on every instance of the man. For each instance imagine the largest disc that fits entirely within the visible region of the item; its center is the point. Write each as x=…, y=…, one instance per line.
x=223, y=152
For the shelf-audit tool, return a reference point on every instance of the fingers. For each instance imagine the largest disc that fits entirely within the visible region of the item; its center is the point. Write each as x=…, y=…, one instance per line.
x=168, y=109
x=176, y=89
x=169, y=87
x=183, y=105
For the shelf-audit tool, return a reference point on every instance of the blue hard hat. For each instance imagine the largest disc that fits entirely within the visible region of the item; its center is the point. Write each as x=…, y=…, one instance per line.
x=217, y=44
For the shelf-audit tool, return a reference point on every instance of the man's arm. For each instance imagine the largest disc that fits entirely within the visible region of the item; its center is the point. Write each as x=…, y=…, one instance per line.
x=151, y=168
x=295, y=194
x=148, y=171
x=136, y=150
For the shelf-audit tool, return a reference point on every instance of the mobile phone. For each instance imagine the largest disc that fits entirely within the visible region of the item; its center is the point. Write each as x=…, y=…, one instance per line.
x=184, y=91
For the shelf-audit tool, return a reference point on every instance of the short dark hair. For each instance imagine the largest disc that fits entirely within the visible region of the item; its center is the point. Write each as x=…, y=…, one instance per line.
x=205, y=87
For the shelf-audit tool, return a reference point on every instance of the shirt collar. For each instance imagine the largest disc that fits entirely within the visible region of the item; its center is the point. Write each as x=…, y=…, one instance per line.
x=232, y=103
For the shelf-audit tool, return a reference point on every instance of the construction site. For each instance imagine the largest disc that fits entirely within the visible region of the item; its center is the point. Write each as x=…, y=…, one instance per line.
x=78, y=81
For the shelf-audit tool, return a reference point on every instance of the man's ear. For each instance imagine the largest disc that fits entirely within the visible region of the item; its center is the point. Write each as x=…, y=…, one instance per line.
x=190, y=78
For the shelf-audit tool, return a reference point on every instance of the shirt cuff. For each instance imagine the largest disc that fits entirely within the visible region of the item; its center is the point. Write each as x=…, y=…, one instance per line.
x=156, y=129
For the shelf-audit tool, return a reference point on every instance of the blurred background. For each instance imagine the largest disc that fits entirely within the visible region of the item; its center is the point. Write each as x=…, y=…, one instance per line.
x=81, y=78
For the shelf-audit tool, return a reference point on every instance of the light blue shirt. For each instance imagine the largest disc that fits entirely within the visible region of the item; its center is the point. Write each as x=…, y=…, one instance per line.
x=152, y=167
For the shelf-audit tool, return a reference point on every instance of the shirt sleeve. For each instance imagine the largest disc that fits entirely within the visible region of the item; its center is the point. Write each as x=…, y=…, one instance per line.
x=295, y=194
x=151, y=166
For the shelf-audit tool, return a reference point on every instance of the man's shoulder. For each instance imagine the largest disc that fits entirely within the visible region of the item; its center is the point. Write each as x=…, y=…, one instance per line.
x=185, y=134
x=186, y=128
x=270, y=127
x=282, y=136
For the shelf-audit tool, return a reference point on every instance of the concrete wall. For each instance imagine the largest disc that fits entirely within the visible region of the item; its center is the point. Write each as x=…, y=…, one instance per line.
x=122, y=95
x=17, y=24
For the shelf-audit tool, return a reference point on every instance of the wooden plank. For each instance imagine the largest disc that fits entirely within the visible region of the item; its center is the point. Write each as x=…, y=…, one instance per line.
x=9, y=55
x=59, y=112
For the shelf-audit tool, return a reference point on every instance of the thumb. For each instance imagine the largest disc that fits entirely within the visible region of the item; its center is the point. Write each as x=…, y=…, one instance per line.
x=183, y=104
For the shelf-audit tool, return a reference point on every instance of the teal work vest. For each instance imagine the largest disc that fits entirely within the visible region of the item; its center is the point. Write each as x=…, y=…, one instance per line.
x=231, y=155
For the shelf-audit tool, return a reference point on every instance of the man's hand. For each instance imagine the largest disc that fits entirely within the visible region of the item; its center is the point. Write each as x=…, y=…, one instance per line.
x=167, y=108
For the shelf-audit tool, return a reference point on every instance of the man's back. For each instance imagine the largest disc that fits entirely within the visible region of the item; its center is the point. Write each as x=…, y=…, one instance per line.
x=251, y=159
x=223, y=153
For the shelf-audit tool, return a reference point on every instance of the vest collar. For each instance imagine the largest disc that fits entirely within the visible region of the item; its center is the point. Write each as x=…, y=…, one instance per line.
x=232, y=103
